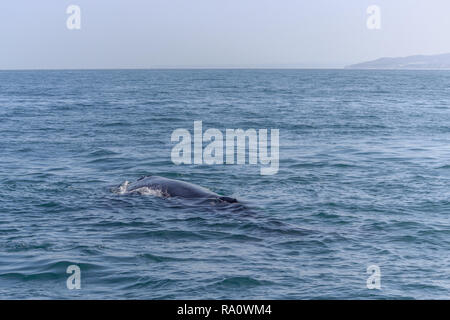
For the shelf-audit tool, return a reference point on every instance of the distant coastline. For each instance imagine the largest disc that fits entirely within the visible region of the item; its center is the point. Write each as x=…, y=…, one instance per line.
x=416, y=62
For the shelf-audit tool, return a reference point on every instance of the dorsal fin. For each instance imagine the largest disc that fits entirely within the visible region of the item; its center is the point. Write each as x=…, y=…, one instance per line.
x=228, y=199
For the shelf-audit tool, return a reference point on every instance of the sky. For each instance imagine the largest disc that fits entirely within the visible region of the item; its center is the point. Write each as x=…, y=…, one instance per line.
x=217, y=33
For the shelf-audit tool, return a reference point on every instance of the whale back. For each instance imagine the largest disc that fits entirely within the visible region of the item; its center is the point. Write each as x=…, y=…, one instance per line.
x=172, y=188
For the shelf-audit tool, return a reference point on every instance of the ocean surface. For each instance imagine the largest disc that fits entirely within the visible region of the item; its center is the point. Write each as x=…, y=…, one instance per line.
x=364, y=179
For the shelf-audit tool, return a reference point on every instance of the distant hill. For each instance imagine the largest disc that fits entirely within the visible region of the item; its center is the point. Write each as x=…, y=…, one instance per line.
x=440, y=61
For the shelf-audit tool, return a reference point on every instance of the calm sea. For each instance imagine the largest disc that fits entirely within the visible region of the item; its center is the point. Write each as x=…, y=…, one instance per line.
x=364, y=179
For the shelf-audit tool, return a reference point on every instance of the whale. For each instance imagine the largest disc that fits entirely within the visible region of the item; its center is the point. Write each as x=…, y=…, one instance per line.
x=176, y=188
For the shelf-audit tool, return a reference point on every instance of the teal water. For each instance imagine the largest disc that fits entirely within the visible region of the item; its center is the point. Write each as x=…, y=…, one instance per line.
x=364, y=179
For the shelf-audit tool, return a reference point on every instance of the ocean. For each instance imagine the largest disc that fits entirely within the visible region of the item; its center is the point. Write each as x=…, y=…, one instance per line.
x=363, y=180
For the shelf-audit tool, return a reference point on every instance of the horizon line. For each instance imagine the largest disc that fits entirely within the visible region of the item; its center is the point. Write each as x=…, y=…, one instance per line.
x=224, y=68
x=173, y=68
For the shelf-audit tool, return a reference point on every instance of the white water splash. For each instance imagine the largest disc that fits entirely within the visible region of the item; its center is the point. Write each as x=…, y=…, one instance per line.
x=123, y=189
x=146, y=191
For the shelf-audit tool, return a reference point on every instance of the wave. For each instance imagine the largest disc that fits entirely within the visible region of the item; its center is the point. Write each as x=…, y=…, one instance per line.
x=241, y=281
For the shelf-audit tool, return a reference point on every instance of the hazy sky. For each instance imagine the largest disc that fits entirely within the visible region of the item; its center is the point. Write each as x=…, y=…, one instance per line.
x=217, y=33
